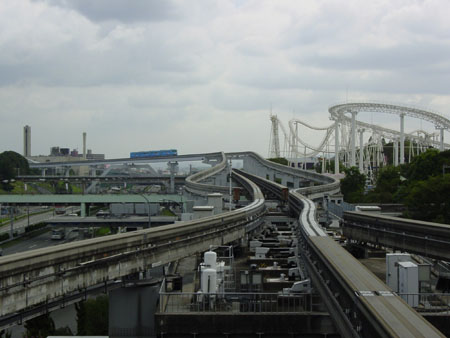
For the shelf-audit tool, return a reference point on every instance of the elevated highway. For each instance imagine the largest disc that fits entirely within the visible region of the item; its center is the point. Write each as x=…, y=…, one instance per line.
x=423, y=238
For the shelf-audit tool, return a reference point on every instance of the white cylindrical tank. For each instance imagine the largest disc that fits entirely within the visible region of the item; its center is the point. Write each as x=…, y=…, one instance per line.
x=210, y=259
x=209, y=281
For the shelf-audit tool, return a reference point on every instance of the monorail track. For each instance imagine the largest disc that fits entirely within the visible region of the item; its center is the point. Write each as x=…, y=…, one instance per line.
x=361, y=304
x=423, y=238
x=35, y=277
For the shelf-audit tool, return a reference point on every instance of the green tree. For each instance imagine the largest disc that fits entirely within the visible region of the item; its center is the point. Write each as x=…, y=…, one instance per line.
x=41, y=326
x=427, y=164
x=352, y=185
x=279, y=160
x=12, y=163
x=429, y=200
x=388, y=183
x=92, y=317
x=5, y=334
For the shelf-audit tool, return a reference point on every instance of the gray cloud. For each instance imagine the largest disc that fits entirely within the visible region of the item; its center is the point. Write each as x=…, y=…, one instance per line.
x=155, y=74
x=121, y=10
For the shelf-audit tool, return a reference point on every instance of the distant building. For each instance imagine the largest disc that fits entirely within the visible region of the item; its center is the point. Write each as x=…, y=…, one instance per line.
x=27, y=141
x=307, y=163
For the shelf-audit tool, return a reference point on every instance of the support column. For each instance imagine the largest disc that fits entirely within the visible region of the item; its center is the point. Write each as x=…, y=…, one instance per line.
x=323, y=163
x=173, y=168
x=353, y=158
x=395, y=153
x=83, y=210
x=441, y=139
x=336, y=147
x=361, y=151
x=402, y=138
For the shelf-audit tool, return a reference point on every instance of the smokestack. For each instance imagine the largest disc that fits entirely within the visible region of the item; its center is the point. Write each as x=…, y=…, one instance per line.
x=84, y=145
x=27, y=141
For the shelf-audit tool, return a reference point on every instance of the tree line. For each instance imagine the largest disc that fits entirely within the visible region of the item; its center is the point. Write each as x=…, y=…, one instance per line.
x=423, y=186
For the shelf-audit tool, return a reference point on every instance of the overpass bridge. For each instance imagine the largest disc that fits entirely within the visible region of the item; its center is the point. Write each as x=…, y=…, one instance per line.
x=83, y=200
x=423, y=238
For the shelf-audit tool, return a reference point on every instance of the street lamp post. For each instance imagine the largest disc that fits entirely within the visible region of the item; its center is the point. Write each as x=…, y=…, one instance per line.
x=230, y=185
x=148, y=206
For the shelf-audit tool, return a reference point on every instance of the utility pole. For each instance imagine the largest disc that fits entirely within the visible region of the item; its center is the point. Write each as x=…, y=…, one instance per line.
x=230, y=186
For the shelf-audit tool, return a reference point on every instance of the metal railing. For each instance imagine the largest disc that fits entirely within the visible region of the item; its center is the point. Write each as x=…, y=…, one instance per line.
x=237, y=302
x=338, y=209
x=428, y=302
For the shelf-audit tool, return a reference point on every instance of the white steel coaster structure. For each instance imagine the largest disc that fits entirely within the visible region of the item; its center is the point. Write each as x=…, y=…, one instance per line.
x=345, y=129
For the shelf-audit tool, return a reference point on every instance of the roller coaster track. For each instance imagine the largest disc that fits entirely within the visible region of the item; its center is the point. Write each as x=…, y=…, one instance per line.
x=338, y=114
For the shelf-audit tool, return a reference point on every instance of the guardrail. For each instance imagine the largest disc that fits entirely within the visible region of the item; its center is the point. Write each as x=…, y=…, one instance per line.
x=174, y=302
x=429, y=302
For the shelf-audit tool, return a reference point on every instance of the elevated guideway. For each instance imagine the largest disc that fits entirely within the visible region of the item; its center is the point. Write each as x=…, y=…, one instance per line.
x=423, y=238
x=108, y=179
x=313, y=185
x=34, y=279
x=117, y=161
x=361, y=305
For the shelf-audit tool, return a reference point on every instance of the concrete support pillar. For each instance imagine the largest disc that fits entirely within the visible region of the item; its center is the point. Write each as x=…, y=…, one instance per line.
x=336, y=147
x=83, y=210
x=323, y=163
x=361, y=151
x=395, y=153
x=402, y=138
x=173, y=168
x=353, y=158
x=441, y=139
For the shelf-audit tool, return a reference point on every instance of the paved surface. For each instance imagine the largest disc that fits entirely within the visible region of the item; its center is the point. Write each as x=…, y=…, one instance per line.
x=42, y=241
x=22, y=223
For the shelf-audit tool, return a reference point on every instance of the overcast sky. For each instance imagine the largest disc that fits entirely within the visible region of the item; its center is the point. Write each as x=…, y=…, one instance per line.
x=202, y=76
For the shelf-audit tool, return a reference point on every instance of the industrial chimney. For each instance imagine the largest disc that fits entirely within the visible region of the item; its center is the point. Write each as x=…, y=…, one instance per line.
x=27, y=141
x=84, y=145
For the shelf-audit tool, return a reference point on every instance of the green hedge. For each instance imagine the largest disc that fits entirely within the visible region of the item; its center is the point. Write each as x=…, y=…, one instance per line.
x=35, y=227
